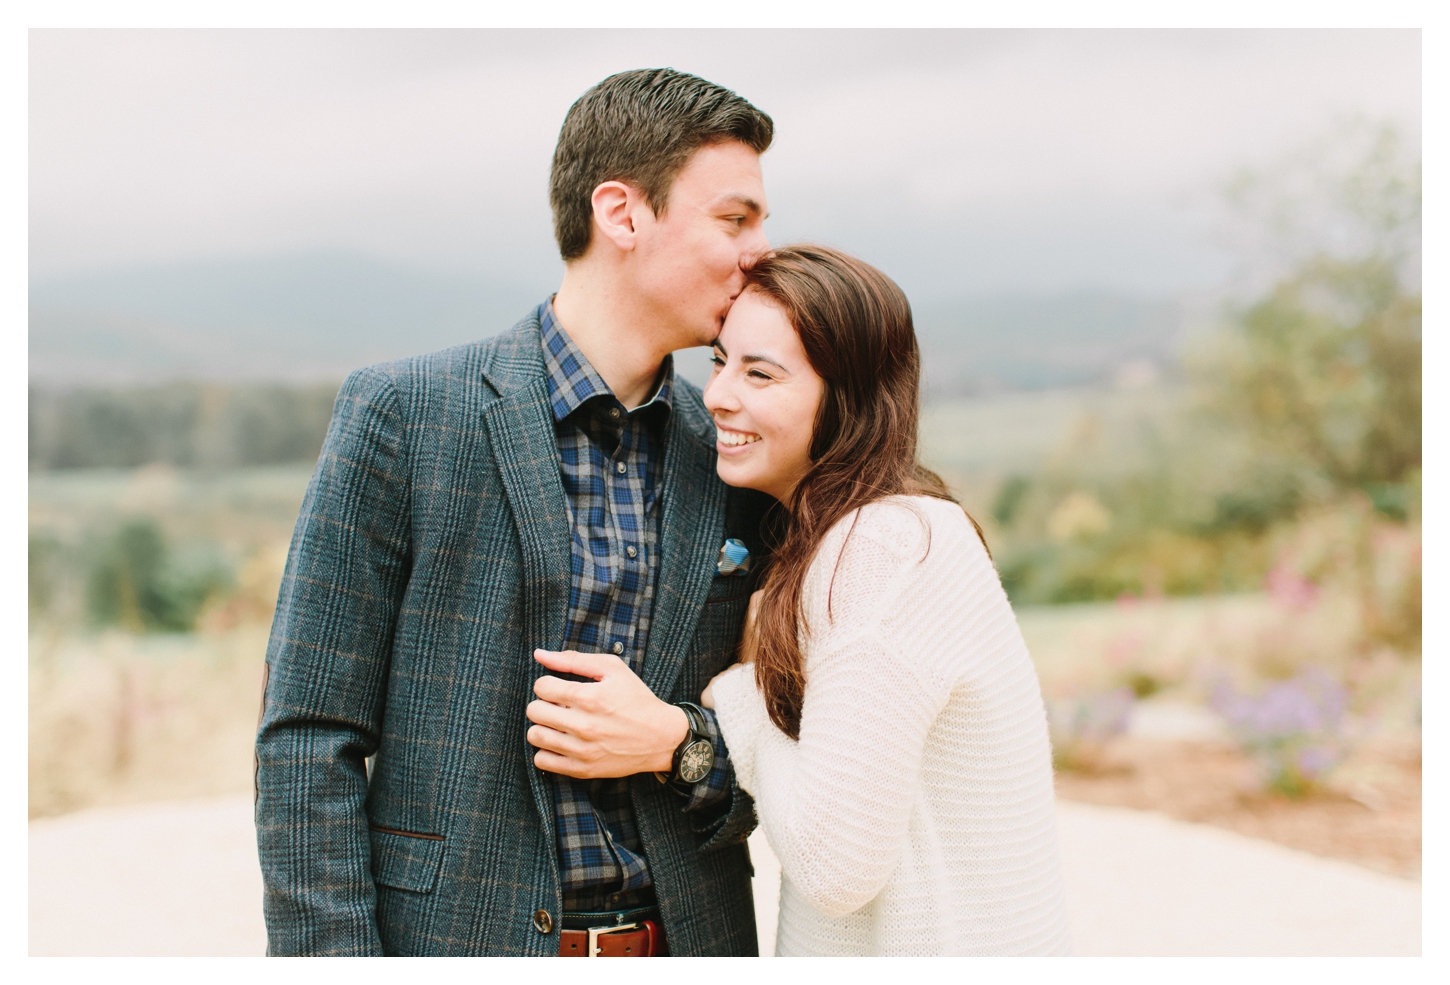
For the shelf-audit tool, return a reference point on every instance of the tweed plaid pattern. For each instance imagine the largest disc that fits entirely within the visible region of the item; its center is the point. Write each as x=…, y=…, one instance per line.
x=609, y=462
x=430, y=557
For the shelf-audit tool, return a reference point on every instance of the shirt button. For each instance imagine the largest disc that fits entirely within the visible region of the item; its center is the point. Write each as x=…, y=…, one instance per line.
x=620, y=467
x=614, y=413
x=630, y=550
x=618, y=648
x=543, y=923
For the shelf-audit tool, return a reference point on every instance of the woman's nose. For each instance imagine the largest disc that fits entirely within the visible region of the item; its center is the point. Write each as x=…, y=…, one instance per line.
x=718, y=395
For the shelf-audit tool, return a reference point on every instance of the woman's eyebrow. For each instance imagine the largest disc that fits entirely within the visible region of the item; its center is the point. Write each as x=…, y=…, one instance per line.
x=763, y=359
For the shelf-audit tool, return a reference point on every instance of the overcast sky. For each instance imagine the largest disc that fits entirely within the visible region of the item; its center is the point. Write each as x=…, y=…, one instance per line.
x=960, y=161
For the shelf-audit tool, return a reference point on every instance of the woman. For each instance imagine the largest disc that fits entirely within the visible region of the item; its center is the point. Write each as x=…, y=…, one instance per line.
x=887, y=719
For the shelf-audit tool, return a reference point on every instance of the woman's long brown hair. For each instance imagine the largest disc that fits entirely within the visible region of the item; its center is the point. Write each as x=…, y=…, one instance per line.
x=855, y=326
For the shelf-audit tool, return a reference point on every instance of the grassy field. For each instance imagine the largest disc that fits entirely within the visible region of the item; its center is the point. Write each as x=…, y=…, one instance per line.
x=1021, y=432
x=120, y=718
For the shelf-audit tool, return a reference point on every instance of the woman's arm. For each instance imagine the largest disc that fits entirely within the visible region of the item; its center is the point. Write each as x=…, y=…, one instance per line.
x=835, y=805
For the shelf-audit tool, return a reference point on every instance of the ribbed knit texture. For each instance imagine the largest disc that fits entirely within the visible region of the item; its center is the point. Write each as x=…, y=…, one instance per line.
x=915, y=815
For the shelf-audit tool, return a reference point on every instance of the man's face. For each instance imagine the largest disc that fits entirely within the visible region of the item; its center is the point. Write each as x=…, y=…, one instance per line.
x=687, y=260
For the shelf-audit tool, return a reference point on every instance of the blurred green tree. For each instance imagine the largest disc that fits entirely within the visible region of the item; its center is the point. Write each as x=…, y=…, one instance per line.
x=137, y=584
x=1322, y=372
x=1305, y=397
x=1324, y=376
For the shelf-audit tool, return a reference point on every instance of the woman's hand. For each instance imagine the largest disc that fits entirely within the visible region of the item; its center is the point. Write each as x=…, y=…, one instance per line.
x=707, y=696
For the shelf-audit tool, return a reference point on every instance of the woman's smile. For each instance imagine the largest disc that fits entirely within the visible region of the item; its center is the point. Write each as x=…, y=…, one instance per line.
x=728, y=441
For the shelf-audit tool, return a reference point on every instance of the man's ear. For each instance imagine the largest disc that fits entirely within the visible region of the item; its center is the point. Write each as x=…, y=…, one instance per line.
x=615, y=204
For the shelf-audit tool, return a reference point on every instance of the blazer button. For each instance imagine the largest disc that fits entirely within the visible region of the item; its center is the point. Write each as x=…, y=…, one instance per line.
x=543, y=923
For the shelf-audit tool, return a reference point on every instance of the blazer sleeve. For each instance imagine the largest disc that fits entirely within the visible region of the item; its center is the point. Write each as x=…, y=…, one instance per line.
x=327, y=666
x=719, y=809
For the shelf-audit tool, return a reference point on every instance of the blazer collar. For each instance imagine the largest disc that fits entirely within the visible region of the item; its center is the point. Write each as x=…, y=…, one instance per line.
x=515, y=360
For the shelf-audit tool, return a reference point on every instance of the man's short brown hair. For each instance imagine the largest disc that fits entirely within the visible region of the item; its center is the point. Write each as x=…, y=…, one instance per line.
x=640, y=127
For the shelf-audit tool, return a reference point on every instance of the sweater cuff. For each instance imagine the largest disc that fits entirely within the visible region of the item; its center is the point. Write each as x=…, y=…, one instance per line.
x=740, y=709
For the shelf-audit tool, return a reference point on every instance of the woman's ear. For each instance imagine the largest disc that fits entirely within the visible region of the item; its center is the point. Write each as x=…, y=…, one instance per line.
x=614, y=207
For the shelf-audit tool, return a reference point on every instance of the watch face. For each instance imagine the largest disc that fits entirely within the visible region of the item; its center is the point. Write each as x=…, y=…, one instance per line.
x=696, y=761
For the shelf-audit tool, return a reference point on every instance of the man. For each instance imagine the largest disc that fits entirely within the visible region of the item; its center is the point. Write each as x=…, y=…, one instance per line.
x=513, y=564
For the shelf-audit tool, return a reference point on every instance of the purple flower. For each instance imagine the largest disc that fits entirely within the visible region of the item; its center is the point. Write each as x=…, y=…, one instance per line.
x=1296, y=729
x=1315, y=760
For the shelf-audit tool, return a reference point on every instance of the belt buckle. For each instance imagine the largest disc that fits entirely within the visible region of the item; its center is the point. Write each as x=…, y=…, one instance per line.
x=596, y=932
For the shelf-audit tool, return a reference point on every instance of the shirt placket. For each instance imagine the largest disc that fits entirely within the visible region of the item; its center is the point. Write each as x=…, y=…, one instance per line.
x=623, y=497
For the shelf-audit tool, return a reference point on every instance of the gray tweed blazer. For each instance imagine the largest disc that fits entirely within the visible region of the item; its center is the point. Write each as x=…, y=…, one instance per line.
x=430, y=558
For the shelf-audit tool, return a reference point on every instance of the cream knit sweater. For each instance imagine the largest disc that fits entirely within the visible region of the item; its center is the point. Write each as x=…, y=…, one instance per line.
x=915, y=814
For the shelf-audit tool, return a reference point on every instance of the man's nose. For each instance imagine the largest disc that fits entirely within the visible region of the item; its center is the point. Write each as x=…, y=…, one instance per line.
x=753, y=245
x=762, y=242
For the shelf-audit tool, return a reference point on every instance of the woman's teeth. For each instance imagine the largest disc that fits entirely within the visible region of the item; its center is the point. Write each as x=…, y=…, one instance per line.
x=736, y=437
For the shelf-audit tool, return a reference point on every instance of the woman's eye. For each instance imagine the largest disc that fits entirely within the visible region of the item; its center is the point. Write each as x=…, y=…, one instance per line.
x=716, y=360
x=757, y=374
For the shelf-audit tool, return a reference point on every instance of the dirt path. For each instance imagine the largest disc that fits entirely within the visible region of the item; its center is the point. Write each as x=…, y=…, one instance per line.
x=182, y=879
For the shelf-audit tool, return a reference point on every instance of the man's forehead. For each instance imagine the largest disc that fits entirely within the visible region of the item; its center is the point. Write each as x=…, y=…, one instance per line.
x=730, y=168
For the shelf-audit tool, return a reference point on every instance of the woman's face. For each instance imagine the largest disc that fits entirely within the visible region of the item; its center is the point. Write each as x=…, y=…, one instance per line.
x=763, y=395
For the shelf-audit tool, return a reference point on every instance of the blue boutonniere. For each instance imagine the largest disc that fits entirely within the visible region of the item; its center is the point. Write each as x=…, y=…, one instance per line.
x=734, y=558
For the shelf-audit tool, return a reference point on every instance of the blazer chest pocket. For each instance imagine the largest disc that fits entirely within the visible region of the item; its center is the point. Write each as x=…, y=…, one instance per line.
x=729, y=588
x=405, y=859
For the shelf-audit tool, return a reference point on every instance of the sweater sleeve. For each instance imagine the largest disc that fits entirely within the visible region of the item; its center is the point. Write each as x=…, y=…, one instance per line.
x=836, y=804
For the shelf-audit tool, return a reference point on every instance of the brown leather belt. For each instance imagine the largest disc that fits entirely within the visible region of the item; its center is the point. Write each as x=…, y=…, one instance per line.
x=631, y=940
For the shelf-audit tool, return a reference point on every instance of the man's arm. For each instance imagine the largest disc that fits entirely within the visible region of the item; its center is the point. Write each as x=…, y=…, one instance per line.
x=327, y=663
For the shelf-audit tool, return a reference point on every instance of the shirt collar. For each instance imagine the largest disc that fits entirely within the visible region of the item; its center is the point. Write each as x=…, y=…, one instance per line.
x=573, y=381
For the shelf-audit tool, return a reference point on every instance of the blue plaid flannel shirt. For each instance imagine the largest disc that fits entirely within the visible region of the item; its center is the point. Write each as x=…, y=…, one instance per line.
x=610, y=460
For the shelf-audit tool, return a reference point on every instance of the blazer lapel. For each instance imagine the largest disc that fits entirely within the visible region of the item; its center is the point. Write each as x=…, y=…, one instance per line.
x=691, y=532
x=521, y=431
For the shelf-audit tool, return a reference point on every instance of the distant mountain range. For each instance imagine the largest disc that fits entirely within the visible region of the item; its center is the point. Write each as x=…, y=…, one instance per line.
x=316, y=317
x=278, y=318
